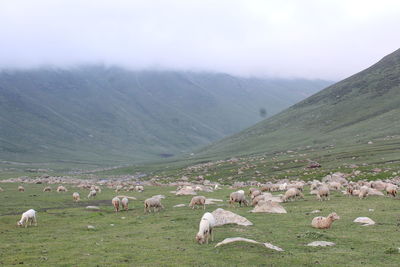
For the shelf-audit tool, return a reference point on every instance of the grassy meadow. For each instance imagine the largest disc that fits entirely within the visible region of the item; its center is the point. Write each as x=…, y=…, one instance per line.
x=167, y=238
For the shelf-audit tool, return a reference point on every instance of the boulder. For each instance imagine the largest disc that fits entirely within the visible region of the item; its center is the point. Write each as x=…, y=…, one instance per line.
x=268, y=207
x=226, y=217
x=320, y=244
x=241, y=239
x=365, y=221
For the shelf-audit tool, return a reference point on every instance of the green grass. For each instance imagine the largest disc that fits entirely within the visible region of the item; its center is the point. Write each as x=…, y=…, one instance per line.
x=167, y=238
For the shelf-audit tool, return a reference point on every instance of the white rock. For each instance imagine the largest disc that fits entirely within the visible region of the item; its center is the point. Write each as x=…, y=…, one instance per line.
x=179, y=205
x=365, y=221
x=226, y=217
x=92, y=208
x=370, y=209
x=241, y=239
x=315, y=211
x=91, y=227
x=123, y=218
x=320, y=244
x=268, y=207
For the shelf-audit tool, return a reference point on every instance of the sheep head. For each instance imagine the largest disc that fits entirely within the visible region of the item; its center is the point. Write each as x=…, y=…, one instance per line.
x=333, y=216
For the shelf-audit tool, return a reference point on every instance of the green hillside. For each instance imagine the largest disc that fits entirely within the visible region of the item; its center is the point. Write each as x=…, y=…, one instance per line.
x=363, y=107
x=109, y=115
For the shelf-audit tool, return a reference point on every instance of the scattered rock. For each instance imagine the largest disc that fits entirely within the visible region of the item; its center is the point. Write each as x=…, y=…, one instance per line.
x=159, y=196
x=179, y=205
x=91, y=227
x=365, y=221
x=226, y=217
x=210, y=201
x=315, y=211
x=320, y=244
x=241, y=239
x=186, y=191
x=370, y=209
x=268, y=207
x=93, y=208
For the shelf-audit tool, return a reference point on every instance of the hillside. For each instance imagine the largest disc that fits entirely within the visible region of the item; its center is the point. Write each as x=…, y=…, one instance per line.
x=109, y=115
x=363, y=107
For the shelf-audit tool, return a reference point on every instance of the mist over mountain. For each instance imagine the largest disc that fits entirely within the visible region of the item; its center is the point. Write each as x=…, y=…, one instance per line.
x=110, y=115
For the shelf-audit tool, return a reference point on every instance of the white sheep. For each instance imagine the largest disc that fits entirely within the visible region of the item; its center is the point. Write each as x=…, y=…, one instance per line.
x=28, y=217
x=292, y=193
x=61, y=189
x=21, y=188
x=139, y=188
x=334, y=185
x=363, y=192
x=323, y=192
x=116, y=202
x=92, y=193
x=255, y=193
x=237, y=197
x=324, y=222
x=198, y=200
x=76, y=197
x=391, y=189
x=154, y=203
x=206, y=226
x=125, y=202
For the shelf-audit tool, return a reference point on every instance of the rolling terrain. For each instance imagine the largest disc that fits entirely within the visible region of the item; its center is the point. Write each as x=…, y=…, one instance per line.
x=96, y=115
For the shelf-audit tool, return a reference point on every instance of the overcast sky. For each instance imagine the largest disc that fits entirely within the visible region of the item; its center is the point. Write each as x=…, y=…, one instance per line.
x=311, y=39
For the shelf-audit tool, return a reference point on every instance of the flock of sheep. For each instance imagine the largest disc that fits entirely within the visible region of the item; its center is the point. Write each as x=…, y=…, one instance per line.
x=260, y=195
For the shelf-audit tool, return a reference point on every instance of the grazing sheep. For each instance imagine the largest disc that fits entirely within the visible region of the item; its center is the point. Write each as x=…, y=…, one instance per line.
x=324, y=222
x=21, y=188
x=139, y=188
x=323, y=192
x=28, y=217
x=251, y=190
x=391, y=189
x=92, y=193
x=116, y=203
x=315, y=184
x=255, y=193
x=206, y=226
x=363, y=193
x=125, y=202
x=237, y=197
x=95, y=187
x=61, y=189
x=267, y=187
x=257, y=199
x=198, y=200
x=334, y=185
x=76, y=197
x=292, y=194
x=154, y=203
x=47, y=189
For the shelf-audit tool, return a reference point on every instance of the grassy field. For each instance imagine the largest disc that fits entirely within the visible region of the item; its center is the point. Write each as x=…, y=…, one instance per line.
x=167, y=238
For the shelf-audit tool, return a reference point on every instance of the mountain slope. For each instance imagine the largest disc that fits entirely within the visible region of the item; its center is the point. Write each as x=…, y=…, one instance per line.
x=360, y=108
x=112, y=115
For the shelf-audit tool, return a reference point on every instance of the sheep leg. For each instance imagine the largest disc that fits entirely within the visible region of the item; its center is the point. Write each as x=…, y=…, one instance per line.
x=35, y=220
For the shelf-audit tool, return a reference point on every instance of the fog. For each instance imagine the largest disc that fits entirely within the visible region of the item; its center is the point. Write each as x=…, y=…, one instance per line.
x=307, y=39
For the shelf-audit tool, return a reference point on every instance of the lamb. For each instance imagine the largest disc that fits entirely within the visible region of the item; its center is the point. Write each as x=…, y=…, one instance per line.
x=21, y=188
x=323, y=192
x=76, y=197
x=61, y=189
x=206, y=226
x=116, y=203
x=154, y=203
x=391, y=189
x=198, y=200
x=28, y=217
x=125, y=202
x=92, y=193
x=363, y=192
x=292, y=193
x=47, y=189
x=324, y=222
x=237, y=197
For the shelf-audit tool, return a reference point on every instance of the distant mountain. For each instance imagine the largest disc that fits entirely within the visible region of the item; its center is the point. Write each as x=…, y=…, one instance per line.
x=358, y=109
x=110, y=115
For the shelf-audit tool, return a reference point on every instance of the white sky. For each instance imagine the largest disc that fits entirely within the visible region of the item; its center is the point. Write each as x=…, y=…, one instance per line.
x=283, y=38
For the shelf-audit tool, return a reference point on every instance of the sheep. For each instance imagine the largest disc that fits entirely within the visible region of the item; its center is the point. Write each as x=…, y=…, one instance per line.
x=118, y=188
x=255, y=193
x=198, y=200
x=116, y=202
x=28, y=217
x=315, y=184
x=139, y=188
x=154, y=203
x=92, y=193
x=255, y=200
x=363, y=192
x=21, y=188
x=206, y=226
x=76, y=197
x=292, y=193
x=334, y=185
x=323, y=192
x=251, y=190
x=125, y=202
x=324, y=222
x=95, y=187
x=237, y=197
x=47, y=189
x=391, y=189
x=61, y=189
